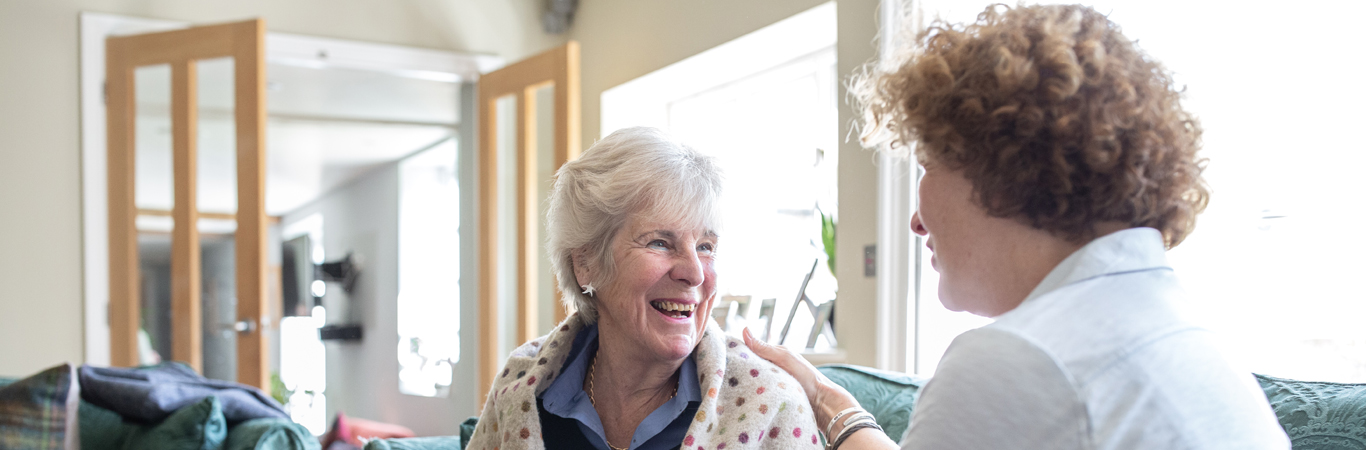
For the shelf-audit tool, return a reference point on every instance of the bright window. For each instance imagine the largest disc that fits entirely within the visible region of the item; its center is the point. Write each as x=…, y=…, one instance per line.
x=765, y=106
x=428, y=271
x=303, y=360
x=1274, y=262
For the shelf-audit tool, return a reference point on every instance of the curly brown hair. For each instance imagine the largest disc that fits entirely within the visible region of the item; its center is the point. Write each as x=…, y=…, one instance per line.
x=1055, y=117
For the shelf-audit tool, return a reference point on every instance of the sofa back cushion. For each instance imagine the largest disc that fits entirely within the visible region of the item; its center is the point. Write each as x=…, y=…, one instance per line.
x=1319, y=415
x=889, y=396
x=416, y=443
x=270, y=434
x=39, y=412
x=102, y=429
x=199, y=426
x=429, y=443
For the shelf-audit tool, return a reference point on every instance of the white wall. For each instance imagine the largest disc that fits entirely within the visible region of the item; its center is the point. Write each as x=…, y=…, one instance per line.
x=40, y=200
x=361, y=218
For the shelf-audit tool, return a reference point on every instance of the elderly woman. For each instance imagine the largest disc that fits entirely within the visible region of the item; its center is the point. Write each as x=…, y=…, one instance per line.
x=1059, y=166
x=639, y=364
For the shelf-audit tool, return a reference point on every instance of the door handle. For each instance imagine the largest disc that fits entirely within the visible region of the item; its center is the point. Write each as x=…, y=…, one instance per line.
x=244, y=326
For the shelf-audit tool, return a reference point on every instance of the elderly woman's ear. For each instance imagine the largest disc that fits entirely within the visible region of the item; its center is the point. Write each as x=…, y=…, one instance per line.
x=582, y=273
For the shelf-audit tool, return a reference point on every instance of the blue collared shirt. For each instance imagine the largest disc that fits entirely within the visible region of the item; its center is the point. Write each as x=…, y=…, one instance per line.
x=662, y=429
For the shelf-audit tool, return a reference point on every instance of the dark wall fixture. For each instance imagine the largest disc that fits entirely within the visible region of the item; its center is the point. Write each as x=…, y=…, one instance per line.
x=305, y=284
x=558, y=16
x=344, y=271
x=343, y=332
x=297, y=273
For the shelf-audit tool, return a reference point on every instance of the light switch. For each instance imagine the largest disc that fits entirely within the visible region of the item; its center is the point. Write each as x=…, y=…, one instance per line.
x=870, y=261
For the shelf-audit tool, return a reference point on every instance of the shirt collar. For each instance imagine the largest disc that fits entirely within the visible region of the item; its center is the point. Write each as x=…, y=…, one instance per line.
x=567, y=391
x=1129, y=250
x=565, y=396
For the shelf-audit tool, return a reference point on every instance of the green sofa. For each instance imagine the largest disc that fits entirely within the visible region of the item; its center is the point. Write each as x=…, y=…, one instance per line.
x=1316, y=415
x=37, y=413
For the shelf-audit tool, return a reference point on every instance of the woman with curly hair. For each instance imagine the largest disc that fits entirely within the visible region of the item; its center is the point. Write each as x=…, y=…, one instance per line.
x=1059, y=166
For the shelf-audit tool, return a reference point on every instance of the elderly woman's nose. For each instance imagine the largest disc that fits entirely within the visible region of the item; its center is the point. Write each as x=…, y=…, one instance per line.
x=688, y=269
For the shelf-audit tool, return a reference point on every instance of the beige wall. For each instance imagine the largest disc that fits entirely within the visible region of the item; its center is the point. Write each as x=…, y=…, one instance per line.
x=856, y=322
x=40, y=204
x=40, y=199
x=40, y=239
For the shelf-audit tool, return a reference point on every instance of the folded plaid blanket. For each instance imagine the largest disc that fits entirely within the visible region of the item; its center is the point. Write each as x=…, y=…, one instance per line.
x=39, y=412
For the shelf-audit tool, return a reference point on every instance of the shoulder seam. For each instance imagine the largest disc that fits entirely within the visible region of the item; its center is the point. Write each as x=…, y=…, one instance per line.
x=1084, y=428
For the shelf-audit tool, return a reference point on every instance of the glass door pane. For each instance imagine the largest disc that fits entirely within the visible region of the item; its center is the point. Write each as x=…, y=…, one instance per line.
x=508, y=252
x=154, y=198
x=543, y=100
x=216, y=190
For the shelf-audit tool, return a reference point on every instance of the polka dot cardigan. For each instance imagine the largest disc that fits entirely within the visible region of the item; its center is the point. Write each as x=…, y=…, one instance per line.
x=747, y=402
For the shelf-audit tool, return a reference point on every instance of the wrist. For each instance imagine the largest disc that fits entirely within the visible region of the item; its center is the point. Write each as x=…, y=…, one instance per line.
x=831, y=398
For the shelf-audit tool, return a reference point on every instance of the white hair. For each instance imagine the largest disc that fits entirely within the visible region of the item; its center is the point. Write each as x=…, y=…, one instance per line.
x=631, y=171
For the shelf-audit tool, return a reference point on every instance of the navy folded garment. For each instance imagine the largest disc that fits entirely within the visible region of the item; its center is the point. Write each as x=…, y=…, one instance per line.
x=150, y=394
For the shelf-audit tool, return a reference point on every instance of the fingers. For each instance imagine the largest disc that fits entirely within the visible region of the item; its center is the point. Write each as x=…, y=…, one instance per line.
x=825, y=396
x=777, y=355
x=785, y=359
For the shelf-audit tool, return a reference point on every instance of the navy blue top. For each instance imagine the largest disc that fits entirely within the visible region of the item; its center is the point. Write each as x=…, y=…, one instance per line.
x=662, y=429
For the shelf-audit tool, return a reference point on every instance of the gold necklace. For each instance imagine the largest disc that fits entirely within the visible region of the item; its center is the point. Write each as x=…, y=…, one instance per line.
x=593, y=369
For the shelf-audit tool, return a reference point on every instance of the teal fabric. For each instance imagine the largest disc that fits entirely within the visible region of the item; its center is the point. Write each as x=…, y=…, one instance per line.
x=467, y=430
x=1319, y=415
x=889, y=396
x=421, y=443
x=429, y=443
x=34, y=411
x=199, y=426
x=102, y=429
x=270, y=434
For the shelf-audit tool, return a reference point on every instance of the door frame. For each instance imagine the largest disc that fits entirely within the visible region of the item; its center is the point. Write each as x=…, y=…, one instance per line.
x=281, y=48
x=559, y=68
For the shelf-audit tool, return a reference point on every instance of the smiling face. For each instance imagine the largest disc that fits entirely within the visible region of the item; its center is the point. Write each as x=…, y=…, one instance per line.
x=662, y=294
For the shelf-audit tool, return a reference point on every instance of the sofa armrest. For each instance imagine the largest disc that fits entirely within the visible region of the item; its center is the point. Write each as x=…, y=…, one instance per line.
x=889, y=396
x=416, y=443
x=429, y=443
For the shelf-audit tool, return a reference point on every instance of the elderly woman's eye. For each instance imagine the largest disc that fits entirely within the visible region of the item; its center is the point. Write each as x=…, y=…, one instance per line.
x=706, y=248
x=658, y=243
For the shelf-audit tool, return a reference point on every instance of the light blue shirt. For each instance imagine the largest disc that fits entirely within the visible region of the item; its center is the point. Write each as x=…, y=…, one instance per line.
x=662, y=429
x=1096, y=357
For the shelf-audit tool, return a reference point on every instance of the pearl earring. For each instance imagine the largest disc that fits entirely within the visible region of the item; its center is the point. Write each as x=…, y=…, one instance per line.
x=588, y=289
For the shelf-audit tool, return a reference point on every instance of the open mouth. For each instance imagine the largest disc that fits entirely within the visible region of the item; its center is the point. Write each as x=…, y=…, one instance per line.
x=674, y=310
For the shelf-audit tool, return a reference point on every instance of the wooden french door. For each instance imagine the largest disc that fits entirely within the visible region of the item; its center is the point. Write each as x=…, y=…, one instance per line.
x=512, y=120
x=182, y=50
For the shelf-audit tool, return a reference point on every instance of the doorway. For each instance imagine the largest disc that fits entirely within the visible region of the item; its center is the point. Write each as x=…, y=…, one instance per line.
x=340, y=114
